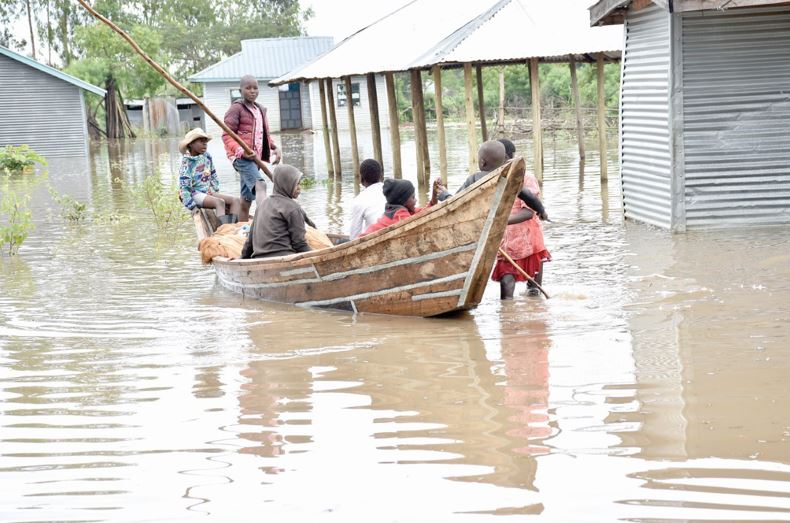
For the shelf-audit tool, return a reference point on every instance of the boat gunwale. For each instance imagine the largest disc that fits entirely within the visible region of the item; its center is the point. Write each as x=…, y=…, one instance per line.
x=414, y=221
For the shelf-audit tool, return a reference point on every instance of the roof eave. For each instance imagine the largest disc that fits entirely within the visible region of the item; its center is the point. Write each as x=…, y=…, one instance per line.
x=85, y=86
x=608, y=12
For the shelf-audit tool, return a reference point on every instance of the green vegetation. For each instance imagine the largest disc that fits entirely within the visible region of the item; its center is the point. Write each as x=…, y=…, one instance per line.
x=71, y=210
x=17, y=220
x=184, y=36
x=163, y=202
x=555, y=90
x=21, y=158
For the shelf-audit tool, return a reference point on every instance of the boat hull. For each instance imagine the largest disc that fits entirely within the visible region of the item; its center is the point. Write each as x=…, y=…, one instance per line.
x=434, y=263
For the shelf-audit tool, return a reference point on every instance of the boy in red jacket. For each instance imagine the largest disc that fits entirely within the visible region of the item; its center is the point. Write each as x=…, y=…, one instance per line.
x=248, y=119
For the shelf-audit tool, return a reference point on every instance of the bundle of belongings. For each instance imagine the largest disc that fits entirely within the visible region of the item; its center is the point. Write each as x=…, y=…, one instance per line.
x=228, y=241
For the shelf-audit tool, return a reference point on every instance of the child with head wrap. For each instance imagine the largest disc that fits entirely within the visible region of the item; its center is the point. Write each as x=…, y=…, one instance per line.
x=278, y=228
x=401, y=204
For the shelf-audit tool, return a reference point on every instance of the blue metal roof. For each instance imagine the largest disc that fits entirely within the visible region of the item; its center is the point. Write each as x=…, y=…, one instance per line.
x=52, y=71
x=265, y=58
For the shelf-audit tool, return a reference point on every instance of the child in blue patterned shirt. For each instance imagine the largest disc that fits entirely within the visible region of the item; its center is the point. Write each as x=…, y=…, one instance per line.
x=197, y=179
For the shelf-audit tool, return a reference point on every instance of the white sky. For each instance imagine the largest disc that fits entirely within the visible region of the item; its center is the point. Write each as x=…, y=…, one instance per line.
x=341, y=18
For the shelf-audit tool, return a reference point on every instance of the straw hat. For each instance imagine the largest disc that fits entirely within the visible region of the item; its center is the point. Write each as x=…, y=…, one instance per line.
x=191, y=136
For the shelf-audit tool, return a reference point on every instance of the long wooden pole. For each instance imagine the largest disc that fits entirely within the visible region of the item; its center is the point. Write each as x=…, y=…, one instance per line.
x=481, y=104
x=158, y=68
x=420, y=132
x=352, y=126
x=602, y=117
x=537, y=128
x=523, y=272
x=392, y=109
x=324, y=122
x=330, y=101
x=501, y=122
x=577, y=102
x=471, y=132
x=437, y=89
x=375, y=125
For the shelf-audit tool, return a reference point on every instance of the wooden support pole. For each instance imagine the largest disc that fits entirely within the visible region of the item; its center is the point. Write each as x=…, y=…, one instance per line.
x=420, y=132
x=602, y=117
x=324, y=122
x=577, y=102
x=330, y=101
x=392, y=109
x=437, y=88
x=501, y=118
x=375, y=125
x=352, y=126
x=481, y=104
x=471, y=132
x=537, y=130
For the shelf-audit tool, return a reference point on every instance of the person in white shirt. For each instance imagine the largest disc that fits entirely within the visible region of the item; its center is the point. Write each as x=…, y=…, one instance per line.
x=368, y=206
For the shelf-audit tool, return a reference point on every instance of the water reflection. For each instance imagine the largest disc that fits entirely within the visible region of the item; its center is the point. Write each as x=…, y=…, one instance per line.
x=650, y=387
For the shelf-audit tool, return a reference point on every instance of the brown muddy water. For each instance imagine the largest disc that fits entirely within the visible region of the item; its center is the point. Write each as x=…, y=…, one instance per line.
x=651, y=387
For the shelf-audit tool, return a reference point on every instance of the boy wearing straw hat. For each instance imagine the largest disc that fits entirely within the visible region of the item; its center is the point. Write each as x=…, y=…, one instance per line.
x=197, y=178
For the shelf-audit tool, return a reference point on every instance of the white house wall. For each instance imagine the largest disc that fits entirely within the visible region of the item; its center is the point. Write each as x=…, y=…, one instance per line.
x=361, y=113
x=736, y=117
x=216, y=96
x=646, y=160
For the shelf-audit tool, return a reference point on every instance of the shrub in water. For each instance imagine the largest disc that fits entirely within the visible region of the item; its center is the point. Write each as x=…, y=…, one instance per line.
x=70, y=209
x=19, y=158
x=18, y=220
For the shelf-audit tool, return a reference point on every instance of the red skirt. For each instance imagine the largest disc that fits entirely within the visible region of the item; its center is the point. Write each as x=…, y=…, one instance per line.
x=531, y=265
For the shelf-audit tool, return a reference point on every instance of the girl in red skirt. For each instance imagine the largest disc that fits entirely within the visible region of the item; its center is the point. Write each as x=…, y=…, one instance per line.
x=523, y=241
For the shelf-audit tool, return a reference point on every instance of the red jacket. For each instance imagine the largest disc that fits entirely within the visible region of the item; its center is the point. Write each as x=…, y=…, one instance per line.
x=385, y=221
x=242, y=122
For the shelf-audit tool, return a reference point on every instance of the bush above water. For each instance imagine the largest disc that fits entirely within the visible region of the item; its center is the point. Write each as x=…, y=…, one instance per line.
x=19, y=158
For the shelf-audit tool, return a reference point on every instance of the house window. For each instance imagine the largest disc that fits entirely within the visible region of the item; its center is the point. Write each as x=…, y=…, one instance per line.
x=341, y=95
x=235, y=94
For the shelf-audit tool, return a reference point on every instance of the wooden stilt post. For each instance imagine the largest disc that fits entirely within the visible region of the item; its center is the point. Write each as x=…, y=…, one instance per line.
x=352, y=126
x=577, y=102
x=330, y=102
x=375, y=125
x=481, y=104
x=437, y=87
x=602, y=117
x=392, y=109
x=324, y=122
x=537, y=130
x=501, y=117
x=471, y=132
x=421, y=134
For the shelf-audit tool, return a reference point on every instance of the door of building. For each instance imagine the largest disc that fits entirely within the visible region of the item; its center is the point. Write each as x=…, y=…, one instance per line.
x=291, y=107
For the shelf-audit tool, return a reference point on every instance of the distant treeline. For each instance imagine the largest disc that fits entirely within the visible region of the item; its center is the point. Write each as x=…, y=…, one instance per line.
x=555, y=90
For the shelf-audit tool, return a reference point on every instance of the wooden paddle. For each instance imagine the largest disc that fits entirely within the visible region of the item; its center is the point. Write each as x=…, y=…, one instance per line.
x=177, y=85
x=523, y=272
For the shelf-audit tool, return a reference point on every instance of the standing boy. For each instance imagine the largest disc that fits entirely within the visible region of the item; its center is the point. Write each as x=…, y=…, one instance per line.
x=248, y=119
x=368, y=205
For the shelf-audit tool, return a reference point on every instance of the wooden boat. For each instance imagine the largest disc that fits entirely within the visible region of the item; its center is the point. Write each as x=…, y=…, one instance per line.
x=436, y=262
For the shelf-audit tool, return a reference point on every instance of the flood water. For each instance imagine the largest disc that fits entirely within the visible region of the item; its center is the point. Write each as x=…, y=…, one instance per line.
x=651, y=387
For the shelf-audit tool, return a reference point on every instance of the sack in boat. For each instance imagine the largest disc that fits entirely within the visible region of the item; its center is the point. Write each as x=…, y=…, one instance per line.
x=227, y=241
x=316, y=239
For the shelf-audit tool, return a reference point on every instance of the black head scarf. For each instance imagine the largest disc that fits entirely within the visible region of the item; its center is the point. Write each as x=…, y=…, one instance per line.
x=397, y=191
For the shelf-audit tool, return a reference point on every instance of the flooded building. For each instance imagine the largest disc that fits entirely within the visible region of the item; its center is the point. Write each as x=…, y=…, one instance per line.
x=705, y=111
x=165, y=115
x=42, y=107
x=290, y=106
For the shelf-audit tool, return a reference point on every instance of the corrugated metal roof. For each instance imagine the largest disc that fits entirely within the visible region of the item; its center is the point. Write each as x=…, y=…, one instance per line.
x=265, y=58
x=52, y=71
x=430, y=32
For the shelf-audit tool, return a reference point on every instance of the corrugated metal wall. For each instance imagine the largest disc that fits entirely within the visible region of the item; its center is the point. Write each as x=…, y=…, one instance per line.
x=736, y=104
x=646, y=163
x=41, y=111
